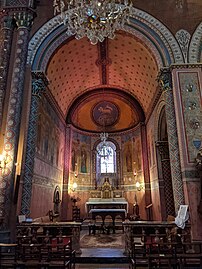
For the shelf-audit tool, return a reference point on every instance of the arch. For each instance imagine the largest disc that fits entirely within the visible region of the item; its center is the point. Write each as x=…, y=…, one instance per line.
x=148, y=29
x=164, y=169
x=57, y=199
x=118, y=177
x=195, y=48
x=91, y=93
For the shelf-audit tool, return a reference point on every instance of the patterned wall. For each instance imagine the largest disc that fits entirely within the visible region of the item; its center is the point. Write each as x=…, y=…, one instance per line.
x=191, y=109
x=49, y=159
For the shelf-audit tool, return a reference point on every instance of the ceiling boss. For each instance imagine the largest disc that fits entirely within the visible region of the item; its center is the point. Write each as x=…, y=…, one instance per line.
x=95, y=19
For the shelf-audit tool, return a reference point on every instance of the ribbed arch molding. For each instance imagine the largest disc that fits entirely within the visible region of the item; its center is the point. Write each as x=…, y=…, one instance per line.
x=144, y=26
x=195, y=48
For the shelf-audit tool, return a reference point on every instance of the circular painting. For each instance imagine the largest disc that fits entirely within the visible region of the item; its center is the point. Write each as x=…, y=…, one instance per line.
x=105, y=113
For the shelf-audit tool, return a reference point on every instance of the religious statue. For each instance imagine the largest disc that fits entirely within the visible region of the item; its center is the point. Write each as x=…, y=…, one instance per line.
x=199, y=168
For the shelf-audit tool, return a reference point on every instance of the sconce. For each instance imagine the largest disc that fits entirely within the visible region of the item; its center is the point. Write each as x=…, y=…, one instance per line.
x=139, y=186
x=3, y=161
x=74, y=187
x=76, y=171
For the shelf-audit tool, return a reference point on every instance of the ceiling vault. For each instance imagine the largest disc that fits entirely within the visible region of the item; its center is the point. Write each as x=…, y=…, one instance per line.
x=103, y=61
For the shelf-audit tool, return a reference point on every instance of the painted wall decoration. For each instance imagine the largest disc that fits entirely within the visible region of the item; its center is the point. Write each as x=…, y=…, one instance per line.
x=83, y=160
x=50, y=137
x=138, y=153
x=80, y=154
x=105, y=113
x=127, y=149
x=151, y=150
x=191, y=108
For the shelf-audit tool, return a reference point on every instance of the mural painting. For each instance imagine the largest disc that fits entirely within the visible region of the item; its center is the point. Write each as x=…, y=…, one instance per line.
x=128, y=154
x=138, y=154
x=50, y=136
x=105, y=113
x=80, y=155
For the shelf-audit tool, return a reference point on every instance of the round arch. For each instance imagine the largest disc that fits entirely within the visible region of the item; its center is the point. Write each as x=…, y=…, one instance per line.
x=147, y=28
x=195, y=48
x=117, y=176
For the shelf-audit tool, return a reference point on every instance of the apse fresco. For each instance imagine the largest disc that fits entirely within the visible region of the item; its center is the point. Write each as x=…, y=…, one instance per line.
x=127, y=154
x=105, y=113
x=80, y=155
x=138, y=153
x=50, y=136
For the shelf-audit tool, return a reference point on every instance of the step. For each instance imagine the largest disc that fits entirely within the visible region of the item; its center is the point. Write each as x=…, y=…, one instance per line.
x=102, y=255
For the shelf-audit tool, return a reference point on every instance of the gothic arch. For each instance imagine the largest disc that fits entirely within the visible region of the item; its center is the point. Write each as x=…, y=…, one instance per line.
x=148, y=29
x=195, y=48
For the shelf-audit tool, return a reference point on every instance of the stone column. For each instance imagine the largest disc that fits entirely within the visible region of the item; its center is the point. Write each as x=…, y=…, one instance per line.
x=6, y=35
x=24, y=21
x=146, y=170
x=39, y=84
x=165, y=82
x=65, y=212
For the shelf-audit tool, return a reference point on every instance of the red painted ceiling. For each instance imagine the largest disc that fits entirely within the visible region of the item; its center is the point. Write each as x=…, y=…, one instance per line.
x=124, y=63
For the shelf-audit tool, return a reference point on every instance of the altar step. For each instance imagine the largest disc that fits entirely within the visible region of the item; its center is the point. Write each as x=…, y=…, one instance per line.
x=102, y=255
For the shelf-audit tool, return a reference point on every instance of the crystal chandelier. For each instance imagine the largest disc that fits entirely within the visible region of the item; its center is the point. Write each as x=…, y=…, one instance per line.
x=96, y=19
x=103, y=149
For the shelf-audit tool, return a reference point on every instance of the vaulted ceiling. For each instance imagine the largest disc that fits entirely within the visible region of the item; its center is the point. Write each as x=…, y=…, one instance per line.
x=125, y=64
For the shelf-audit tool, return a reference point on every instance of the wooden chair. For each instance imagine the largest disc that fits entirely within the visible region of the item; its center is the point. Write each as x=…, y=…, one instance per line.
x=162, y=255
x=60, y=253
x=7, y=255
x=190, y=254
x=29, y=256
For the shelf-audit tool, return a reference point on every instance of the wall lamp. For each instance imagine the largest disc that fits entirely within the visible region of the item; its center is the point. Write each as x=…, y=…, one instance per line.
x=74, y=187
x=139, y=186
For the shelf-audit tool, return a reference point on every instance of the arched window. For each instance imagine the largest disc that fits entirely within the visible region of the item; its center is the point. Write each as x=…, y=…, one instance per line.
x=106, y=156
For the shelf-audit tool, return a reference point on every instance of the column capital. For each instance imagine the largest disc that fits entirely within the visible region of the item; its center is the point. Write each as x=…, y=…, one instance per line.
x=39, y=83
x=165, y=79
x=24, y=18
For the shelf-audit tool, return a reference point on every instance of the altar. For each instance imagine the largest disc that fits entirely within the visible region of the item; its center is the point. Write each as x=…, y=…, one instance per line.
x=103, y=213
x=106, y=197
x=113, y=203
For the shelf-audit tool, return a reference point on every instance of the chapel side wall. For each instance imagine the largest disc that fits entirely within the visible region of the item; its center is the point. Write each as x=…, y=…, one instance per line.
x=48, y=162
x=187, y=84
x=80, y=170
x=132, y=163
x=152, y=129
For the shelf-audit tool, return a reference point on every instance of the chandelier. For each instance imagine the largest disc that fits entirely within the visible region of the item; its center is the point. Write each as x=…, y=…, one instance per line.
x=103, y=149
x=95, y=19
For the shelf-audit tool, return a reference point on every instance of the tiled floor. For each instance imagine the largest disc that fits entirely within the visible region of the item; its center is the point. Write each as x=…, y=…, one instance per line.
x=101, y=254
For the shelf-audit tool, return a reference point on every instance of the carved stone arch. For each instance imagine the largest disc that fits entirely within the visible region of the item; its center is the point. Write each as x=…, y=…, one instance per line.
x=145, y=27
x=195, y=51
x=117, y=183
x=163, y=166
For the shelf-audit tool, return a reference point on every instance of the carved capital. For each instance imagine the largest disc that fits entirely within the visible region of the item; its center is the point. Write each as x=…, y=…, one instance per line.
x=163, y=149
x=39, y=83
x=24, y=19
x=165, y=79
